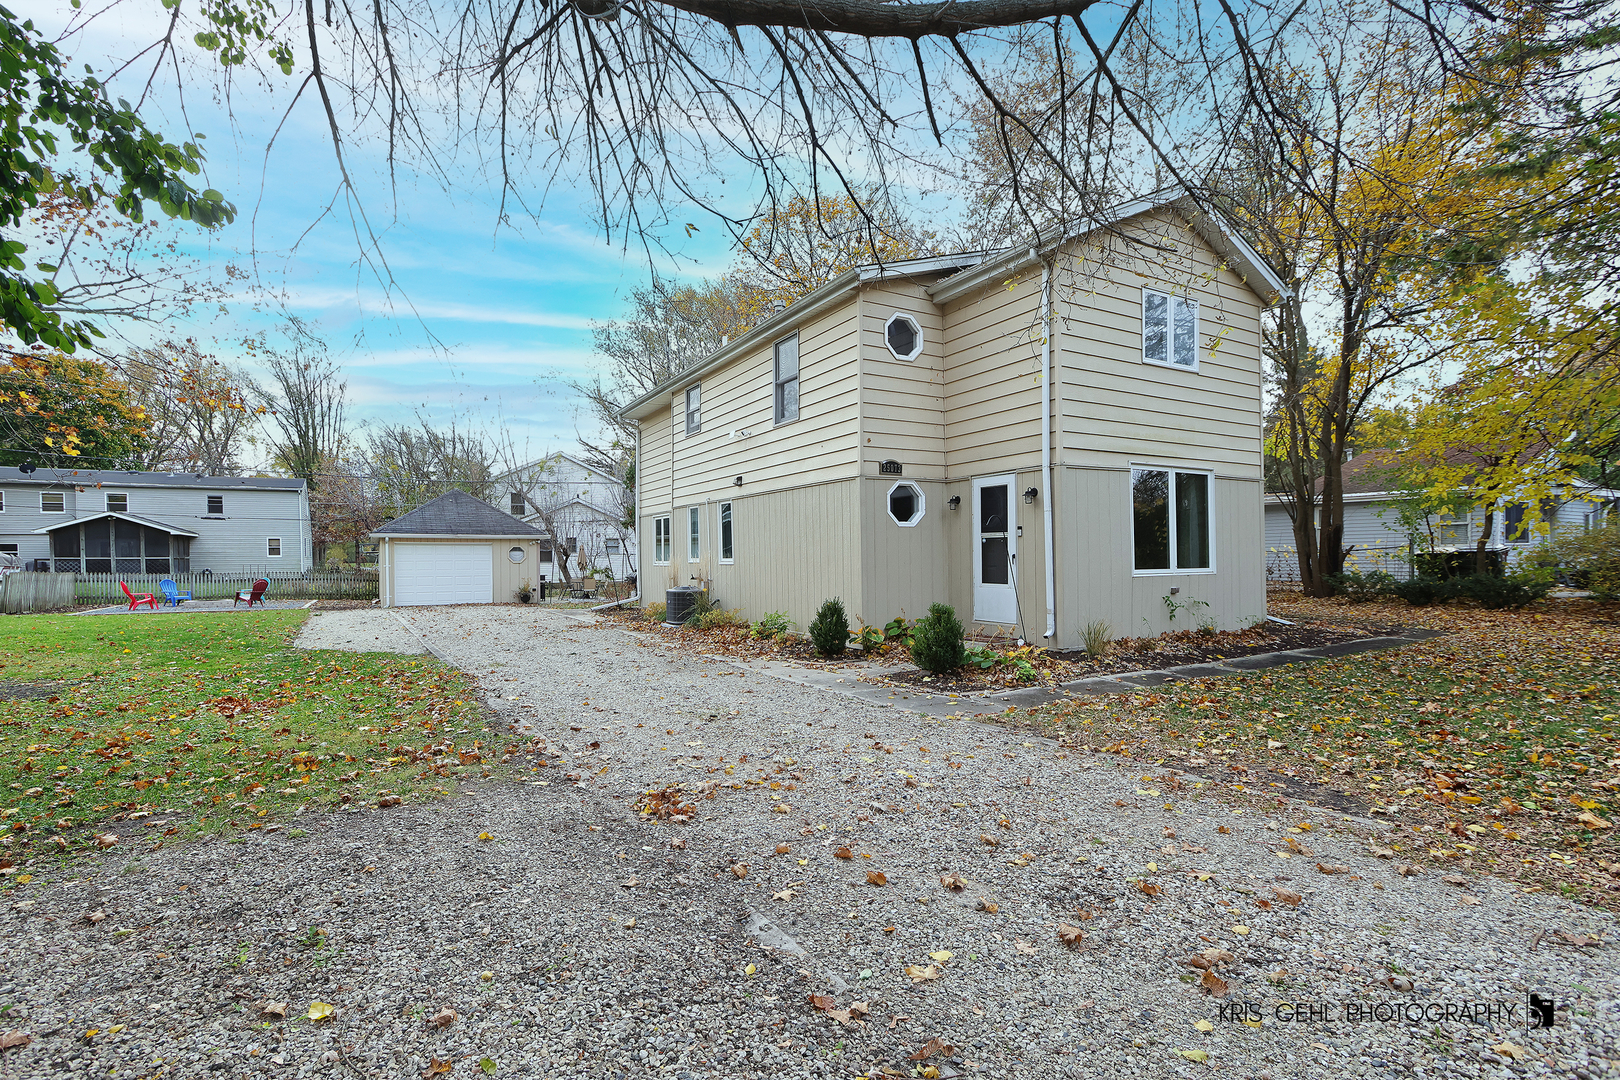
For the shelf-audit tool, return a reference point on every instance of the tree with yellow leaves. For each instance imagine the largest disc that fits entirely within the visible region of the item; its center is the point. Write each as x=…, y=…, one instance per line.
x=61, y=410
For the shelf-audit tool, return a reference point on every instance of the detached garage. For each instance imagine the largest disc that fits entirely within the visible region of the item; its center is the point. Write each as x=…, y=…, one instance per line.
x=455, y=550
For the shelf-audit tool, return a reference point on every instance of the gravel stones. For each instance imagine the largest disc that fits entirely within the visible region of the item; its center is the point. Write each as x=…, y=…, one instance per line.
x=394, y=916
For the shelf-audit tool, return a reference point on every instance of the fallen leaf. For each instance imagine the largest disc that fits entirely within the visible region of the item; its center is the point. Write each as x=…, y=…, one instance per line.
x=1410, y=870
x=1510, y=1050
x=1471, y=901
x=1194, y=1055
x=783, y=849
x=1382, y=852
x=1564, y=937
x=394, y=800
x=1328, y=868
x=488, y=1065
x=1276, y=978
x=95, y=916
x=14, y=1038
x=1149, y=888
x=1204, y=1025
x=1222, y=829
x=876, y=877
x=933, y=1046
x=437, y=1068
x=106, y=840
x=823, y=1001
x=319, y=1010
x=843, y=853
x=443, y=1018
x=859, y=1009
x=1070, y=934
x=750, y=970
x=1455, y=879
x=1241, y=931
x=274, y=1008
x=1217, y=957
x=1024, y=947
x=1290, y=898
x=923, y=972
x=1214, y=984
x=486, y=836
x=785, y=894
x=630, y=925
x=988, y=839
x=739, y=870
x=679, y=845
x=953, y=881
x=1592, y=821
x=986, y=905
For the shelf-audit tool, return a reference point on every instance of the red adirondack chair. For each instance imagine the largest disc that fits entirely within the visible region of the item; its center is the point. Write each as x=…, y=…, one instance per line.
x=254, y=594
x=137, y=599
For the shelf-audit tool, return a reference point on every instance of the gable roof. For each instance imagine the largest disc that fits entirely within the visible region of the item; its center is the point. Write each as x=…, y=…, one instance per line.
x=964, y=271
x=456, y=513
x=150, y=523
x=524, y=470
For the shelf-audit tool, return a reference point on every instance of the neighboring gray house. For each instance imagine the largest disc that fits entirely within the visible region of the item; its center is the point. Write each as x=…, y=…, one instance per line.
x=111, y=522
x=588, y=507
x=1374, y=536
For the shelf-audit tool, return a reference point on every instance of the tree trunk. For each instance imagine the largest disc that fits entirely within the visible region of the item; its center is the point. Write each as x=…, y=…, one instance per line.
x=1483, y=542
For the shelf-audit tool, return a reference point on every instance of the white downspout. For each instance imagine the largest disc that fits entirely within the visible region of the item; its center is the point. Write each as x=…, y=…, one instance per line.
x=1046, y=448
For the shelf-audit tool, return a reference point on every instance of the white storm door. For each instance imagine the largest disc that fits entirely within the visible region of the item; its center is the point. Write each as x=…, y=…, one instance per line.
x=995, y=547
x=443, y=574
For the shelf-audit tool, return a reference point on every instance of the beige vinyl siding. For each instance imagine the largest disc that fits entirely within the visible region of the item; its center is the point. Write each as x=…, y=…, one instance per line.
x=1114, y=404
x=901, y=568
x=902, y=401
x=992, y=379
x=820, y=445
x=793, y=549
x=652, y=467
x=1095, y=575
x=506, y=577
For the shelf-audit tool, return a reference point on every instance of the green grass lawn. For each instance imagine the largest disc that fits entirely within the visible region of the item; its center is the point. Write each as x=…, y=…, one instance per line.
x=1496, y=746
x=211, y=722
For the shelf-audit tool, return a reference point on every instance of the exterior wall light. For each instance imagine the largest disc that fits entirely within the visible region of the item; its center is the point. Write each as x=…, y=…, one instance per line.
x=1030, y=494
x=954, y=502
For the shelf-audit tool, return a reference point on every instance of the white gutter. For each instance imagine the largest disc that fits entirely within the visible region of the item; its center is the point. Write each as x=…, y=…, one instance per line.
x=1046, y=448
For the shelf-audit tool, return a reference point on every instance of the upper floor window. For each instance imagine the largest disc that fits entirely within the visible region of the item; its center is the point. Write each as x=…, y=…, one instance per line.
x=118, y=504
x=216, y=504
x=2, y=502
x=1169, y=330
x=1170, y=520
x=785, y=393
x=518, y=509
x=52, y=502
x=694, y=409
x=903, y=336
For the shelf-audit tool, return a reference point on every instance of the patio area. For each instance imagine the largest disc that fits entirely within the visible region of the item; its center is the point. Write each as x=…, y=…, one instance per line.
x=192, y=607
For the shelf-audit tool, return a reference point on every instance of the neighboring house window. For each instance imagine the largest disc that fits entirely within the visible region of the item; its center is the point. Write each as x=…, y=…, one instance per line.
x=691, y=534
x=694, y=409
x=613, y=546
x=545, y=551
x=1516, y=527
x=272, y=547
x=118, y=504
x=1170, y=520
x=903, y=336
x=2, y=502
x=571, y=545
x=216, y=504
x=726, y=551
x=785, y=395
x=52, y=502
x=518, y=509
x=8, y=549
x=1169, y=330
x=661, y=543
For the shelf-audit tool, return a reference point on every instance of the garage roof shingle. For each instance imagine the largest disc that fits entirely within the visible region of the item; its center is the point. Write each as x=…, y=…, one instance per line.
x=456, y=513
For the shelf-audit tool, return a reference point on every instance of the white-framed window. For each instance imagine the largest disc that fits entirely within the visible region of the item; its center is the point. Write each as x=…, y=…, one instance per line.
x=272, y=547
x=8, y=549
x=785, y=381
x=2, y=502
x=1171, y=522
x=661, y=541
x=693, y=531
x=612, y=545
x=1169, y=330
x=216, y=505
x=52, y=502
x=515, y=554
x=118, y=502
x=903, y=336
x=907, y=504
x=727, y=551
x=519, y=508
x=694, y=409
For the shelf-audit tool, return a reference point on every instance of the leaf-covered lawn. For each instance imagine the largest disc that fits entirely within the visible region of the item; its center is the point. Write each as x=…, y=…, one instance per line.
x=180, y=725
x=1496, y=747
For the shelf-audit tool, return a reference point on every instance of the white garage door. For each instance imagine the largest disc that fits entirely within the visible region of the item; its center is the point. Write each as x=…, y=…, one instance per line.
x=443, y=574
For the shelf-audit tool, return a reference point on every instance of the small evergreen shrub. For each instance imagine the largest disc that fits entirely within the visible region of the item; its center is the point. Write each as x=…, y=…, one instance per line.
x=1513, y=591
x=1359, y=588
x=1422, y=591
x=829, y=632
x=937, y=640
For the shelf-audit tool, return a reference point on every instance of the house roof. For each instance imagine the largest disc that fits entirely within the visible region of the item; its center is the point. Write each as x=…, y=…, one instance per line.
x=969, y=270
x=150, y=523
x=46, y=476
x=456, y=513
x=523, y=470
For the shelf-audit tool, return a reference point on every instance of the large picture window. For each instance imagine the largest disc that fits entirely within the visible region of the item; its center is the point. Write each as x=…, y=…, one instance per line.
x=785, y=394
x=727, y=552
x=661, y=541
x=1170, y=521
x=1169, y=330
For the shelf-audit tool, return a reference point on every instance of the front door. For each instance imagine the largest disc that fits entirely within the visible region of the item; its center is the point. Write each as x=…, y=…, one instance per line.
x=995, y=550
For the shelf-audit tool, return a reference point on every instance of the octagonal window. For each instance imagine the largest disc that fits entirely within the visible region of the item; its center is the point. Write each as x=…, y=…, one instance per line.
x=906, y=504
x=903, y=336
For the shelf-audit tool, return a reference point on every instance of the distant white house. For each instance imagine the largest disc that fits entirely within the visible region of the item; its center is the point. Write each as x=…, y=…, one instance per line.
x=1376, y=539
x=115, y=522
x=589, y=507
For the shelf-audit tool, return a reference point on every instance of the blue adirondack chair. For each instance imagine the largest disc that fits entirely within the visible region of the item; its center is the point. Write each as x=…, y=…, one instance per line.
x=171, y=592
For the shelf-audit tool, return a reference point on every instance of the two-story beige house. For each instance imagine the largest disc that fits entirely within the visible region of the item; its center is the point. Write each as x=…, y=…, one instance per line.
x=1042, y=438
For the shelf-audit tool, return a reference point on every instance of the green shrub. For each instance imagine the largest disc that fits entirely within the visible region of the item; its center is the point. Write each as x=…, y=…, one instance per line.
x=774, y=625
x=1359, y=588
x=829, y=631
x=937, y=644
x=1513, y=591
x=1591, y=559
x=1422, y=591
x=899, y=632
x=869, y=638
x=1095, y=638
x=717, y=618
x=654, y=612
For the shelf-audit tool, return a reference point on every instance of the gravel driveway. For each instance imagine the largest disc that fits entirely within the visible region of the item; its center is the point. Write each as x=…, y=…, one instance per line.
x=579, y=942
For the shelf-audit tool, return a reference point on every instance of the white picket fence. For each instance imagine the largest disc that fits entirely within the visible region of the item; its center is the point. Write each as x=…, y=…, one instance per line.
x=104, y=588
